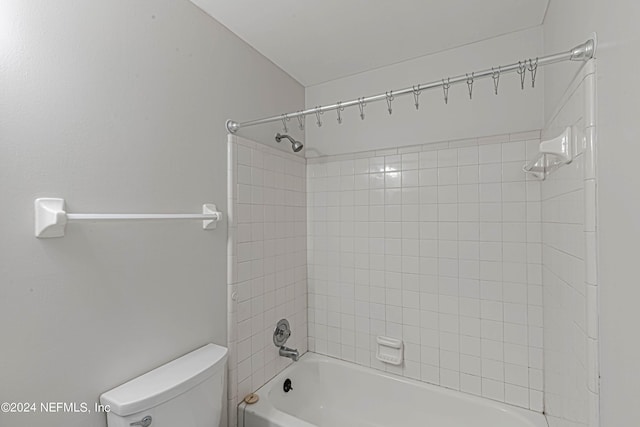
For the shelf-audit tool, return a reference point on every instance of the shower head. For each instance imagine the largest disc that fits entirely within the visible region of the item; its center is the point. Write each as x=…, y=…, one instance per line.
x=295, y=145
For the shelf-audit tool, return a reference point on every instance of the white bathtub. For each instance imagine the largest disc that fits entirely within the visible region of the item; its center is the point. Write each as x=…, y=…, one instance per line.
x=332, y=393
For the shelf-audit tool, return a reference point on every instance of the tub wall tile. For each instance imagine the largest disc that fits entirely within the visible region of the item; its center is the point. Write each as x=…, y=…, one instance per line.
x=267, y=268
x=569, y=254
x=439, y=248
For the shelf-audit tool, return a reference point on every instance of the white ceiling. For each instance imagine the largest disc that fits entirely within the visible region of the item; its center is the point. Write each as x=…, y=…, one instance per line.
x=317, y=41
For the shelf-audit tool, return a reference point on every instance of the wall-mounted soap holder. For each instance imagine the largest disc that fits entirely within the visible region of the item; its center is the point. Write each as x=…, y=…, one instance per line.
x=554, y=153
x=390, y=350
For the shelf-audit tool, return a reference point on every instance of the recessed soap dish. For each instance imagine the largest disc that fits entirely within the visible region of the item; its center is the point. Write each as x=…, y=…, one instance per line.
x=390, y=350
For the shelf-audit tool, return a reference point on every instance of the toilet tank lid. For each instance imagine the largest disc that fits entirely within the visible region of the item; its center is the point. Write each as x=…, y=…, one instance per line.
x=166, y=382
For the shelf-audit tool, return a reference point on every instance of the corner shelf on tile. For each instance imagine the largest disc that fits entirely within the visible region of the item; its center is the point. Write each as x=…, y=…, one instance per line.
x=51, y=218
x=554, y=153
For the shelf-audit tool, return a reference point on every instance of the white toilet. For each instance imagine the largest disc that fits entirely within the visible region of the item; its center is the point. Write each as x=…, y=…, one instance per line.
x=187, y=392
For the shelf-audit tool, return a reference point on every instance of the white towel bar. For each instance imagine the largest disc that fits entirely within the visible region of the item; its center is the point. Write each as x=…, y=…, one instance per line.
x=51, y=217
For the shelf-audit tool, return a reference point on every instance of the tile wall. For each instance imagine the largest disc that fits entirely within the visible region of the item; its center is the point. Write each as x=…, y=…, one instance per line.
x=267, y=273
x=569, y=268
x=439, y=245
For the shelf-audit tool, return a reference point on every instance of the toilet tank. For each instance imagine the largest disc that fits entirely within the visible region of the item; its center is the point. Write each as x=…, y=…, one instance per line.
x=186, y=392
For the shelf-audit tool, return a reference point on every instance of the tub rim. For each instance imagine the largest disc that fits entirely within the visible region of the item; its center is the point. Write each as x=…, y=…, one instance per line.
x=265, y=409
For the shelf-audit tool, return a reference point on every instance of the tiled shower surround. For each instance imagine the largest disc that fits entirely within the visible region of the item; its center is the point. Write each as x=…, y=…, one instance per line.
x=571, y=377
x=267, y=275
x=438, y=245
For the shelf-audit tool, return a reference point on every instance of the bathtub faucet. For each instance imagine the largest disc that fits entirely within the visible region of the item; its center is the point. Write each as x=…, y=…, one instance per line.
x=280, y=337
x=291, y=353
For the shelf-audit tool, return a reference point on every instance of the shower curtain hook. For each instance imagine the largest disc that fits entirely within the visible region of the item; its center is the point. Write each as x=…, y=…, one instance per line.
x=361, y=105
x=416, y=95
x=445, y=89
x=300, y=120
x=470, y=85
x=318, y=113
x=495, y=75
x=533, y=67
x=285, y=118
x=389, y=96
x=522, y=71
x=339, y=109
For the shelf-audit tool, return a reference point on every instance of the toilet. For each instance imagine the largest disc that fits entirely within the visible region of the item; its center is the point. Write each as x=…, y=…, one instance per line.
x=186, y=392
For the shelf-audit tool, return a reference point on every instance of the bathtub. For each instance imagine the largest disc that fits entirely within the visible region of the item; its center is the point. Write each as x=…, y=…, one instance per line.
x=331, y=393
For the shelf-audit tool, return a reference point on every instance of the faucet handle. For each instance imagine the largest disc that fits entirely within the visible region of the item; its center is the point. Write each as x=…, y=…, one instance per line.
x=281, y=333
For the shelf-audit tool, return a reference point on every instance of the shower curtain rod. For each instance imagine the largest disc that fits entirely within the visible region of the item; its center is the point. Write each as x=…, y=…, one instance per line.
x=582, y=52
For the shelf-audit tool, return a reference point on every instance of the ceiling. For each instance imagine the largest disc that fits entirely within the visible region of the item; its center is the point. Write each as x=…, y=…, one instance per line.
x=318, y=41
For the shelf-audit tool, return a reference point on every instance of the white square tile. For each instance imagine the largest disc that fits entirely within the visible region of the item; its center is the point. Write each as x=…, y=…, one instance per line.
x=490, y=173
x=468, y=156
x=517, y=395
x=460, y=278
x=535, y=379
x=360, y=166
x=493, y=389
x=428, y=159
x=468, y=174
x=448, y=157
x=471, y=365
x=450, y=379
x=447, y=175
x=493, y=350
x=447, y=194
x=516, y=354
x=410, y=161
x=493, y=369
x=513, y=151
x=470, y=384
x=468, y=197
x=490, y=153
x=516, y=374
x=447, y=212
x=410, y=178
x=492, y=330
x=428, y=177
x=490, y=193
x=430, y=374
x=536, y=402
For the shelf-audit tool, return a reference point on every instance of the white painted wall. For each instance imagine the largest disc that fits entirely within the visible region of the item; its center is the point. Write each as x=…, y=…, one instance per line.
x=618, y=90
x=514, y=110
x=116, y=106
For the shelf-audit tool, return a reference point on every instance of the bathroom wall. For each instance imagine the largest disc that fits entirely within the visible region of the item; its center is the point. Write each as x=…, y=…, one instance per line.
x=616, y=23
x=438, y=245
x=512, y=110
x=116, y=106
x=570, y=266
x=267, y=265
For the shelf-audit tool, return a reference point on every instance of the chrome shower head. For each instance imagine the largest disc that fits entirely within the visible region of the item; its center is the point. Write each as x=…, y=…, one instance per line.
x=295, y=145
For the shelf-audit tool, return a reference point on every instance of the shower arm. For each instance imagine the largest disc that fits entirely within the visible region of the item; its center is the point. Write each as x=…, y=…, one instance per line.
x=582, y=52
x=280, y=136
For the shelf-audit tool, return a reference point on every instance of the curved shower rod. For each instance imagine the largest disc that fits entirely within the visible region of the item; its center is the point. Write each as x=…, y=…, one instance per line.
x=582, y=52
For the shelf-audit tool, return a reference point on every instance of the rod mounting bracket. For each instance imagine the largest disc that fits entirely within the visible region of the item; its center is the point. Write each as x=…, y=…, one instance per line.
x=232, y=126
x=584, y=51
x=210, y=209
x=51, y=218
